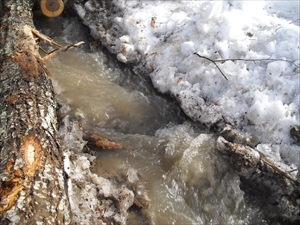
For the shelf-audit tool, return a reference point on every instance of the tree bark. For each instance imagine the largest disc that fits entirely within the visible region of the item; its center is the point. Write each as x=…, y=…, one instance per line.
x=32, y=181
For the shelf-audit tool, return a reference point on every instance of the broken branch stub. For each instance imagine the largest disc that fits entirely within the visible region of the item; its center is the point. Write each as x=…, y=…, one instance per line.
x=101, y=142
x=63, y=49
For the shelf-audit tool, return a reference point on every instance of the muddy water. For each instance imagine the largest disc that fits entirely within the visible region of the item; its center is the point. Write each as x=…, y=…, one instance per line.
x=186, y=180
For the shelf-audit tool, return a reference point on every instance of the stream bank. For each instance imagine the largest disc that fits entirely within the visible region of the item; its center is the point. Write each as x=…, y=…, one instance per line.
x=174, y=164
x=164, y=51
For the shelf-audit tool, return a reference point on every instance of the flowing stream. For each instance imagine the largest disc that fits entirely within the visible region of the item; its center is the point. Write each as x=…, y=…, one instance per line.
x=187, y=181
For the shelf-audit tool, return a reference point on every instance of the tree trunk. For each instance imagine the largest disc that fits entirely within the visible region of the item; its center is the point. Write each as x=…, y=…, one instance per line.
x=32, y=181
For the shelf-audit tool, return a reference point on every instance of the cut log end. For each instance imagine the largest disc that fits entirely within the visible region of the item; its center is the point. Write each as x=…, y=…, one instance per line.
x=52, y=8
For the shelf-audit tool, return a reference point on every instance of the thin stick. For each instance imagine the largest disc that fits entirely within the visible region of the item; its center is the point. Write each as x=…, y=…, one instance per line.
x=276, y=168
x=253, y=60
x=247, y=60
x=289, y=23
x=290, y=171
x=214, y=62
x=63, y=49
x=43, y=50
x=45, y=38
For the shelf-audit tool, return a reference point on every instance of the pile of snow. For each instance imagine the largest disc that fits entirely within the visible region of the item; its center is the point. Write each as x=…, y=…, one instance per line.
x=260, y=98
x=91, y=197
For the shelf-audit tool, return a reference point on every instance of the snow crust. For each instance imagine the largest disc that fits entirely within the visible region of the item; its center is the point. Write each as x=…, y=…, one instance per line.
x=260, y=98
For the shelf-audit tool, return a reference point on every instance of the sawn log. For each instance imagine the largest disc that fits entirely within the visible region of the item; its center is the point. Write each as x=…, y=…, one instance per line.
x=32, y=180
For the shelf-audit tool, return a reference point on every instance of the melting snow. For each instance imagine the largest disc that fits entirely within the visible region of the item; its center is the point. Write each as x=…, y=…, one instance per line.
x=261, y=98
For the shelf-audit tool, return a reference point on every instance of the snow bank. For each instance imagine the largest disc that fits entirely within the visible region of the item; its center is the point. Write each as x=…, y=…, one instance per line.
x=260, y=98
x=91, y=197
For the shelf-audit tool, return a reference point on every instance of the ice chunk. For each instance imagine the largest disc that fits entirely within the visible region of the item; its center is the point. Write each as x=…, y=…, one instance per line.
x=106, y=190
x=132, y=175
x=125, y=39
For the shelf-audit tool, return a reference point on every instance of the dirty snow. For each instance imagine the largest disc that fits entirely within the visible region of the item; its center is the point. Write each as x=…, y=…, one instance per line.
x=261, y=98
x=87, y=191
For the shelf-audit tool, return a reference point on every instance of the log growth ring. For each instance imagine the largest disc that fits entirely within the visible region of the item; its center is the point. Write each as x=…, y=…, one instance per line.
x=52, y=8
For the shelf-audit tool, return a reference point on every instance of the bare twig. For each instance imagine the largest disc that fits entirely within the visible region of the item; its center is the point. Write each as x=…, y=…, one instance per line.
x=294, y=21
x=58, y=47
x=43, y=50
x=254, y=60
x=214, y=62
x=290, y=171
x=63, y=49
x=289, y=23
x=45, y=38
x=276, y=168
x=246, y=60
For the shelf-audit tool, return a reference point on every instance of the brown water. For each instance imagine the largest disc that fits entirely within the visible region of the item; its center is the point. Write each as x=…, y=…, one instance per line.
x=187, y=181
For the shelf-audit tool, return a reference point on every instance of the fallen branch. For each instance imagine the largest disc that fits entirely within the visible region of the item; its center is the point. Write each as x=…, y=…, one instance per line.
x=44, y=38
x=33, y=186
x=63, y=49
x=75, y=124
x=58, y=48
x=101, y=142
x=231, y=143
x=278, y=170
x=246, y=60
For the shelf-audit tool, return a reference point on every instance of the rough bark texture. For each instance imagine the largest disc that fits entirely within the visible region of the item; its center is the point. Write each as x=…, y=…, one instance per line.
x=32, y=183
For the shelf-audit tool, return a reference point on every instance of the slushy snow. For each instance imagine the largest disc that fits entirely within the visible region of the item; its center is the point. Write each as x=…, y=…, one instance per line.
x=261, y=98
